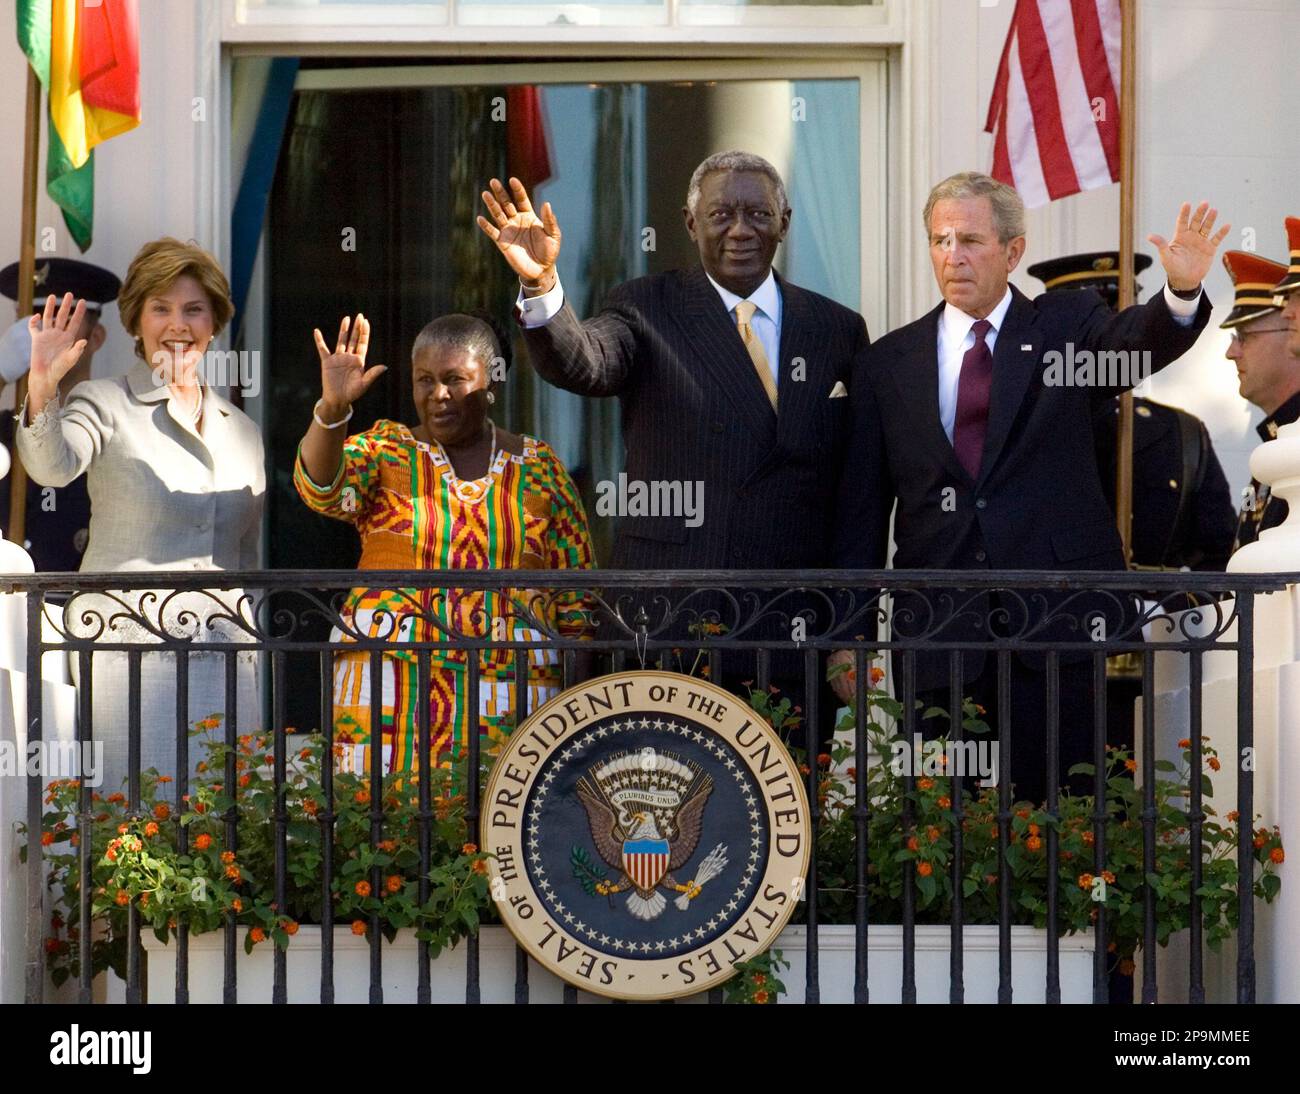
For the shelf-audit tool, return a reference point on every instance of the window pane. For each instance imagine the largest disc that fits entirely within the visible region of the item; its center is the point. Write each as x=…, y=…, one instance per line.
x=532, y=13
x=308, y=13
x=800, y=13
x=373, y=209
x=784, y=3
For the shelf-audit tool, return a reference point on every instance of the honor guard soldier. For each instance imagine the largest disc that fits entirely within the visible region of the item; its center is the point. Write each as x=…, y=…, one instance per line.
x=1268, y=373
x=1183, y=514
x=57, y=519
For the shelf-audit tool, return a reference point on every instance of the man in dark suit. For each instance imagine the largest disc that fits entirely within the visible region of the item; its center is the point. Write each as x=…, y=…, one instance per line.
x=728, y=375
x=977, y=420
x=1183, y=515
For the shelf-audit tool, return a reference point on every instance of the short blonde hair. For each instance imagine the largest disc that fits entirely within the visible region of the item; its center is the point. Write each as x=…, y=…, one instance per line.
x=156, y=267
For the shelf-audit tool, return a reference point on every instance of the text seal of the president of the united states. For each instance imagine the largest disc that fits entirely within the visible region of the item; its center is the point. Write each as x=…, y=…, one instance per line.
x=649, y=830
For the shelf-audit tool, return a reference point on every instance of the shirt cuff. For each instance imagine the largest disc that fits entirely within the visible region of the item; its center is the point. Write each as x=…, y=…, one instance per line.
x=537, y=311
x=1183, y=311
x=44, y=422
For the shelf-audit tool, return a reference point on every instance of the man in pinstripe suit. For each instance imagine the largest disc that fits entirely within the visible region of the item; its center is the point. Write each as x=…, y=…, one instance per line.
x=728, y=375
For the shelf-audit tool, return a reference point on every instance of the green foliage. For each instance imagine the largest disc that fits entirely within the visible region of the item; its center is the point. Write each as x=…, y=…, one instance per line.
x=585, y=870
x=176, y=868
x=1086, y=884
x=756, y=980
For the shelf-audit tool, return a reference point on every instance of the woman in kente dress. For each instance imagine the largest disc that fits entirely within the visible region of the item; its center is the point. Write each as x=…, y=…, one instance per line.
x=454, y=492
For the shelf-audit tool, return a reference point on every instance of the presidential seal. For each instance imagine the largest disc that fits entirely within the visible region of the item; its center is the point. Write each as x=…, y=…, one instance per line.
x=649, y=830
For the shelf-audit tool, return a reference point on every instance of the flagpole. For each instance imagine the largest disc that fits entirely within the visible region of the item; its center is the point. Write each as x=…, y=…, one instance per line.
x=1127, y=288
x=26, y=285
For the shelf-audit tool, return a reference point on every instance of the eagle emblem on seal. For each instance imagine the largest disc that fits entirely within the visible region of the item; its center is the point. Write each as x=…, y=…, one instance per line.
x=646, y=811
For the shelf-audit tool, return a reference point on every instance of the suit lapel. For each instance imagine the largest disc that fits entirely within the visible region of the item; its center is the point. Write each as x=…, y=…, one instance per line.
x=1013, y=367
x=718, y=346
x=918, y=385
x=803, y=343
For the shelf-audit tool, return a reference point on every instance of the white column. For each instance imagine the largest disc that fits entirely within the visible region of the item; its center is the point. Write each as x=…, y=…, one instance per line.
x=1276, y=758
x=1277, y=463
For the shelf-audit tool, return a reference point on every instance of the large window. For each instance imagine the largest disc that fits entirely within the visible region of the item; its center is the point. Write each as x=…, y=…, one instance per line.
x=377, y=188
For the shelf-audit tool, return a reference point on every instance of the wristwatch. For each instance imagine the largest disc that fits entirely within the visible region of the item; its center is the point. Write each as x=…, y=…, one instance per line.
x=1185, y=294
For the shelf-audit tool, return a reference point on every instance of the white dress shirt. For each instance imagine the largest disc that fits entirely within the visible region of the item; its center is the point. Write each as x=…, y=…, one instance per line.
x=537, y=311
x=767, y=317
x=956, y=337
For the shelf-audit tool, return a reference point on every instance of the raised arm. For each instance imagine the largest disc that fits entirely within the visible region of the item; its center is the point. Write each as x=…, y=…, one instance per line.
x=1156, y=333
x=1188, y=255
x=592, y=358
x=530, y=244
x=55, y=349
x=344, y=379
x=57, y=445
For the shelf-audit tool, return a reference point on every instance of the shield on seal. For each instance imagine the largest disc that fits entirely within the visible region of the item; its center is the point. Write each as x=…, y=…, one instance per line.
x=645, y=861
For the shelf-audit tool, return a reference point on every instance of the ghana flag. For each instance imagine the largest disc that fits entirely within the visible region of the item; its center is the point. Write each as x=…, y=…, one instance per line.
x=87, y=55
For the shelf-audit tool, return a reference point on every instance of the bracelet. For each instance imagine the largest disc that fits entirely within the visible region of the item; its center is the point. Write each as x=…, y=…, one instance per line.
x=329, y=425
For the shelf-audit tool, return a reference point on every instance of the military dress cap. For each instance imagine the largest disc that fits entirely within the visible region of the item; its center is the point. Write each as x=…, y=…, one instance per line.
x=1095, y=270
x=84, y=280
x=1254, y=278
x=1291, y=281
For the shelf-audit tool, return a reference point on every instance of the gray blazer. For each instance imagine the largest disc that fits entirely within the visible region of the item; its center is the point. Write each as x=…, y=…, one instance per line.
x=162, y=496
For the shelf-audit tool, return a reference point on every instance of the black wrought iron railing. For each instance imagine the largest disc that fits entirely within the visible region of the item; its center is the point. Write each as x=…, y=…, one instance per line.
x=295, y=622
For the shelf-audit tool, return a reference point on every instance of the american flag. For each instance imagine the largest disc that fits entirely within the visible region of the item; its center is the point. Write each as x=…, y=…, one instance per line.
x=1054, y=114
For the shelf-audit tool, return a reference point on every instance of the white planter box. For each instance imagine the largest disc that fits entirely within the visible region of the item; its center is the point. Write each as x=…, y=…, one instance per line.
x=980, y=964
x=497, y=968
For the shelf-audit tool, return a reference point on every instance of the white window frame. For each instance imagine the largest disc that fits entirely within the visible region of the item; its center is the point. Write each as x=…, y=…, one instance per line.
x=903, y=33
x=876, y=164
x=671, y=22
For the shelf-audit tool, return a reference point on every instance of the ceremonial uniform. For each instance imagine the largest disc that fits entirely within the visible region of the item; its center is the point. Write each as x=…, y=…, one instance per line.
x=57, y=519
x=1261, y=511
x=1183, y=514
x=1255, y=282
x=1290, y=281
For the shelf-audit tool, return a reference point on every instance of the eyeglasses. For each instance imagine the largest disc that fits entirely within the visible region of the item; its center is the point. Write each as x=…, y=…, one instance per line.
x=1240, y=336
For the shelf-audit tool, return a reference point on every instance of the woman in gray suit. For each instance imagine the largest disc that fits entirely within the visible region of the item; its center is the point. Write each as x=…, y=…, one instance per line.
x=176, y=479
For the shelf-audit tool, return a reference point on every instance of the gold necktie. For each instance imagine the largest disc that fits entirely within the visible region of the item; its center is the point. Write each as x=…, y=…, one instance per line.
x=744, y=313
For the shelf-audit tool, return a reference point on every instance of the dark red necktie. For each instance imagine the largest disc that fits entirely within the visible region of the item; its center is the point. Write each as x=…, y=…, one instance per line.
x=973, y=389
